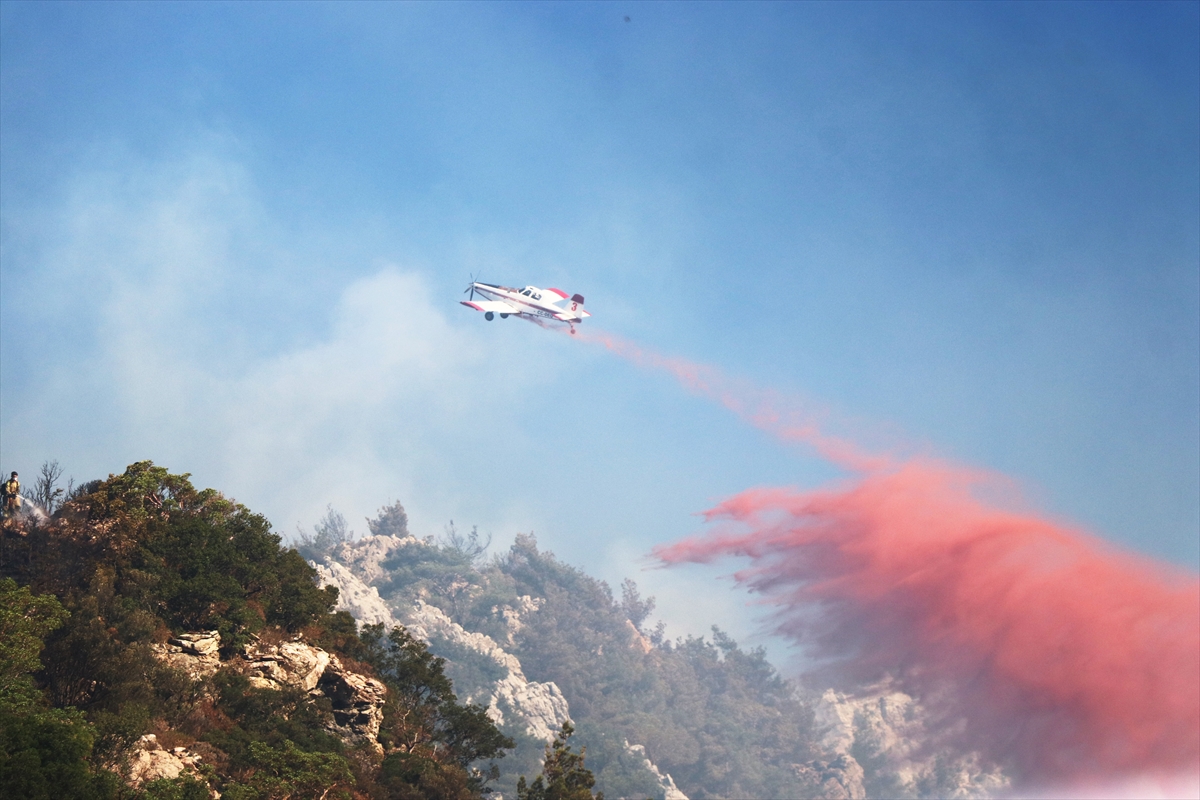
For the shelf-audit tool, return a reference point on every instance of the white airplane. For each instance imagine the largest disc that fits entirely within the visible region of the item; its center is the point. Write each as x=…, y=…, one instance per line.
x=531, y=303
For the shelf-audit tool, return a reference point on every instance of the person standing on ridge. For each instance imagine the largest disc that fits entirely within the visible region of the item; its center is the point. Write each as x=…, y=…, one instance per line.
x=12, y=496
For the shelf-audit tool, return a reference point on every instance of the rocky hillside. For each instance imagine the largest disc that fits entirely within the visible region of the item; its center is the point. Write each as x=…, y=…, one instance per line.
x=531, y=712
x=538, y=642
x=158, y=642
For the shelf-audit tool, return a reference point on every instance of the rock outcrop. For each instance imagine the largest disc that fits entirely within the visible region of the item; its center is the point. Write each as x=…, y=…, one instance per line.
x=540, y=707
x=365, y=557
x=194, y=653
x=150, y=761
x=271, y=666
x=357, y=700
x=665, y=782
x=888, y=727
x=888, y=722
x=636, y=639
x=360, y=600
x=513, y=615
x=357, y=703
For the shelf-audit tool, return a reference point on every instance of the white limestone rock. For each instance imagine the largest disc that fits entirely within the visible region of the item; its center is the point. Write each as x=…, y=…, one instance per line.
x=513, y=616
x=357, y=700
x=888, y=722
x=287, y=664
x=889, y=727
x=149, y=761
x=360, y=600
x=665, y=781
x=194, y=653
x=541, y=707
x=201, y=643
x=364, y=557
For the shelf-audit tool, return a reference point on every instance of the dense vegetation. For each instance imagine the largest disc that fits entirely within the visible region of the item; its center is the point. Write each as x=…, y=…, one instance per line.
x=564, y=775
x=720, y=720
x=128, y=562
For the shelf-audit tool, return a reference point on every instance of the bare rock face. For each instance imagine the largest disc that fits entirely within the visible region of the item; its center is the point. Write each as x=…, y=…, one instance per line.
x=194, y=653
x=360, y=600
x=149, y=761
x=288, y=664
x=357, y=703
x=357, y=699
x=665, y=781
x=365, y=556
x=513, y=616
x=889, y=727
x=636, y=639
x=540, y=706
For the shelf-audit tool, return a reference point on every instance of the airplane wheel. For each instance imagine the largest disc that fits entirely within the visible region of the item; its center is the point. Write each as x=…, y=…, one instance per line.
x=504, y=316
x=489, y=316
x=572, y=331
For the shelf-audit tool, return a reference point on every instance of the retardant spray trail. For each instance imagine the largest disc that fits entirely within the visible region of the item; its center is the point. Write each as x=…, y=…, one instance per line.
x=763, y=409
x=1041, y=647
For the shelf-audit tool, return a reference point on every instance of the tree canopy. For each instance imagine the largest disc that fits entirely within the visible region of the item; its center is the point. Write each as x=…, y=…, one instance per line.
x=127, y=563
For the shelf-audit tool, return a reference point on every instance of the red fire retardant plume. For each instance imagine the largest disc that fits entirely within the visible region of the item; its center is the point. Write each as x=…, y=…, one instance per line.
x=1041, y=647
x=1062, y=657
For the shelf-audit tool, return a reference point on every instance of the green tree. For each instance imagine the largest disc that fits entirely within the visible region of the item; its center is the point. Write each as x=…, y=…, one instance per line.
x=185, y=787
x=44, y=752
x=433, y=735
x=289, y=772
x=391, y=521
x=25, y=619
x=564, y=776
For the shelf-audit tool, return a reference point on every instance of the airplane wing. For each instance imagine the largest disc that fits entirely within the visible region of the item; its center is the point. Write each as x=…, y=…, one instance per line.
x=498, y=306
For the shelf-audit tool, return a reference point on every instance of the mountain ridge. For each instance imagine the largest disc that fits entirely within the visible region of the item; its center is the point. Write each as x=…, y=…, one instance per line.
x=185, y=652
x=412, y=580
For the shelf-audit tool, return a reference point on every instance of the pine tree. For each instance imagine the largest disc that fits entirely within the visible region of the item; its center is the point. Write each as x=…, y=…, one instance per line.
x=564, y=776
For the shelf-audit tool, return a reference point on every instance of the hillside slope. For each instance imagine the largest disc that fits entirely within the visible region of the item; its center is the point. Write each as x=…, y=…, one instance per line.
x=535, y=640
x=159, y=642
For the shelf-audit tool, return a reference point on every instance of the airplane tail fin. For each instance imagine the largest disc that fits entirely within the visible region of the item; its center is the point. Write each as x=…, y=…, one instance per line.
x=576, y=305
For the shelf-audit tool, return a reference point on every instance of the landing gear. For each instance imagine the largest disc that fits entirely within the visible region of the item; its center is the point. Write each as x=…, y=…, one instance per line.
x=572, y=330
x=489, y=316
x=504, y=316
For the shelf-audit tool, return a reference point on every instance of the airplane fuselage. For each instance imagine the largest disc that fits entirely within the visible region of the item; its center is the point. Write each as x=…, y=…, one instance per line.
x=526, y=304
x=532, y=303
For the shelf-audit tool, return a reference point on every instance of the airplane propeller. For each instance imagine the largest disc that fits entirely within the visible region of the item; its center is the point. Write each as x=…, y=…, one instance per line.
x=471, y=288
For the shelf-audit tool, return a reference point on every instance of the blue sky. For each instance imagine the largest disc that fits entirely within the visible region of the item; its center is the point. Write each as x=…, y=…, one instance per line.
x=233, y=238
